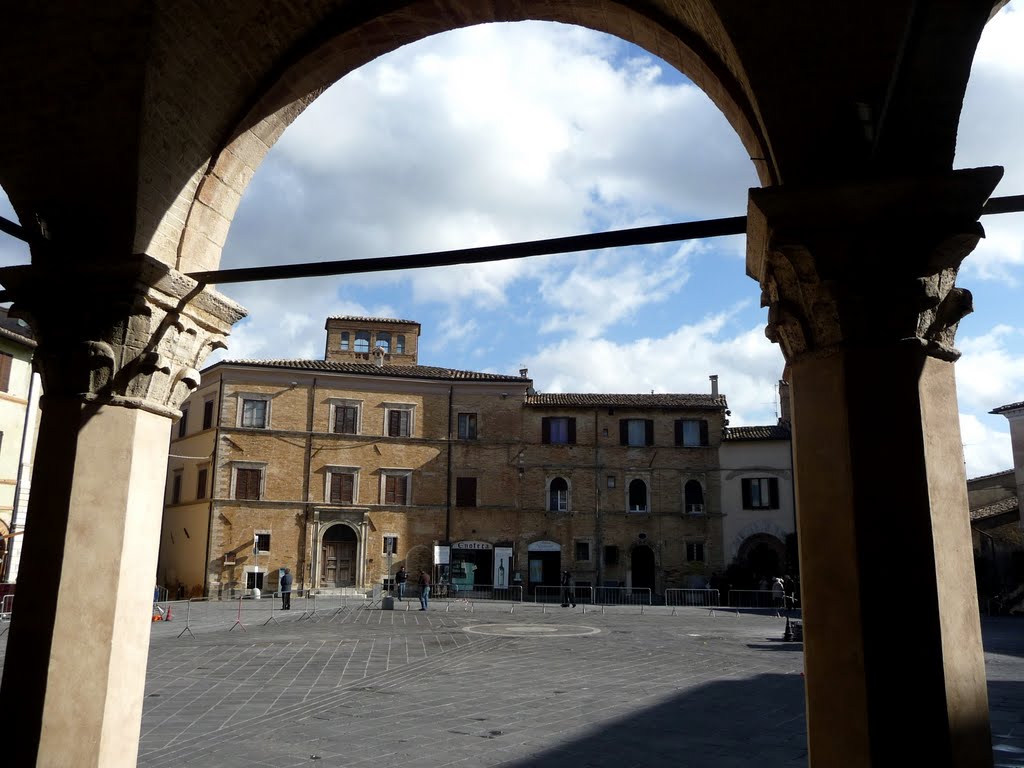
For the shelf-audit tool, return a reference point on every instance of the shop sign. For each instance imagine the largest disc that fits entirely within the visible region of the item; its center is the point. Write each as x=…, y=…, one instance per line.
x=472, y=545
x=544, y=546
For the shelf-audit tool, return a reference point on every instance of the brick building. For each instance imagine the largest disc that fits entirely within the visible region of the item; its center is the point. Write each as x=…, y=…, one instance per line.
x=324, y=466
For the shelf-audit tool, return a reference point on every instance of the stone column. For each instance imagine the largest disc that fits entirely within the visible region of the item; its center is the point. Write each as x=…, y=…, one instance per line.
x=860, y=286
x=118, y=351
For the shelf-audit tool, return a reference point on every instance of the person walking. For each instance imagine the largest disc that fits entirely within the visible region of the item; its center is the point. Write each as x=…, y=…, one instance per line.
x=424, y=590
x=286, y=590
x=568, y=595
x=400, y=579
x=778, y=593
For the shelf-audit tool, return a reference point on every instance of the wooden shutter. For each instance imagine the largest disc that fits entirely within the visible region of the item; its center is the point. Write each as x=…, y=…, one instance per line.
x=747, y=501
x=773, y=492
x=201, y=484
x=649, y=431
x=176, y=489
x=5, y=371
x=342, y=487
x=545, y=429
x=572, y=431
x=395, y=489
x=623, y=431
x=679, y=431
x=247, y=484
x=208, y=414
x=703, y=432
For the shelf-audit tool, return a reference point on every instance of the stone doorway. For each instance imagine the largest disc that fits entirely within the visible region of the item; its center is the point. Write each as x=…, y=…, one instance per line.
x=643, y=568
x=338, y=557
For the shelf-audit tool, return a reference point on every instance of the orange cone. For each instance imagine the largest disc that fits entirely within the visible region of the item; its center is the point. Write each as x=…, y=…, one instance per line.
x=169, y=614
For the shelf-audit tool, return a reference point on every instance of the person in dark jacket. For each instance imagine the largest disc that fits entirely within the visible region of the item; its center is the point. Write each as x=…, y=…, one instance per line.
x=286, y=590
x=424, y=590
x=568, y=596
x=400, y=579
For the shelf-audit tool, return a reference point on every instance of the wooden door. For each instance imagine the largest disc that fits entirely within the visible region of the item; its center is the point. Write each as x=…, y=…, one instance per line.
x=346, y=563
x=329, y=564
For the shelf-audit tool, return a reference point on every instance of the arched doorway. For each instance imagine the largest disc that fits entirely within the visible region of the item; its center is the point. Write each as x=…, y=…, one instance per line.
x=643, y=568
x=338, y=557
x=764, y=554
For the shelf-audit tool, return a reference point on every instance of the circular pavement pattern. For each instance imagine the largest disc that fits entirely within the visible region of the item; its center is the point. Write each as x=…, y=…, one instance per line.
x=531, y=630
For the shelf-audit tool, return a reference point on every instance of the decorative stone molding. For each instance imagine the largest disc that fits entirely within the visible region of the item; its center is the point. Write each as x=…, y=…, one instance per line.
x=133, y=334
x=866, y=264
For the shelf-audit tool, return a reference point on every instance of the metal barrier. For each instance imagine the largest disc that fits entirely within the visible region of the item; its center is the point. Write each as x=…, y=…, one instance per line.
x=697, y=598
x=466, y=596
x=754, y=599
x=549, y=594
x=6, y=609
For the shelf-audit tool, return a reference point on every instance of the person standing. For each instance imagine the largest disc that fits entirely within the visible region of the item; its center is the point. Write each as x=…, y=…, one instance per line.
x=778, y=593
x=286, y=590
x=424, y=590
x=568, y=596
x=400, y=579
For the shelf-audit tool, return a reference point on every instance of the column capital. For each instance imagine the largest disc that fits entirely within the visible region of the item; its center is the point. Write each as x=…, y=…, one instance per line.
x=872, y=262
x=132, y=333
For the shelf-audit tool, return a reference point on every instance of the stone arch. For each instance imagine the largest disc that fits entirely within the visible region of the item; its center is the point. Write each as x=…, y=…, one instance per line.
x=764, y=553
x=328, y=48
x=418, y=559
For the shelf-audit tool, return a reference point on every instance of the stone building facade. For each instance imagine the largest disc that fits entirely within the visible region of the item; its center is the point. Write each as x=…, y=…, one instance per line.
x=328, y=466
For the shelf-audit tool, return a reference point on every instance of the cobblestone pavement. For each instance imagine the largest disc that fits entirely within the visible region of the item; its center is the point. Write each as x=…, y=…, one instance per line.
x=535, y=688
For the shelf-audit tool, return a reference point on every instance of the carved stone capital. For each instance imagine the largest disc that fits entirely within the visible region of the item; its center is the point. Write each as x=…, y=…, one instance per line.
x=866, y=264
x=134, y=333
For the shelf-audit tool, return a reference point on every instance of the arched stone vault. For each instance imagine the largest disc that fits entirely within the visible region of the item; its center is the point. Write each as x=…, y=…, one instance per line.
x=133, y=127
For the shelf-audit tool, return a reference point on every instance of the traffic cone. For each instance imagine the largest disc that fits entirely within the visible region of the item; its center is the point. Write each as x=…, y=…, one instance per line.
x=169, y=613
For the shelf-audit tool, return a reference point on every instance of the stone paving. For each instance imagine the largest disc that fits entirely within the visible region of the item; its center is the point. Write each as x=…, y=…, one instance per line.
x=478, y=685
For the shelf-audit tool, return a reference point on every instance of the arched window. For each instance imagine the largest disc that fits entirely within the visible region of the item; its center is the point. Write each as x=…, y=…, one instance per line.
x=637, y=496
x=693, y=497
x=344, y=340
x=384, y=340
x=362, y=341
x=558, y=495
x=400, y=344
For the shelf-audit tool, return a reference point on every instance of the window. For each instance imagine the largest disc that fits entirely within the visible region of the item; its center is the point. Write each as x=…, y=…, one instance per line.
x=183, y=421
x=558, y=430
x=398, y=421
x=362, y=341
x=582, y=551
x=467, y=426
x=390, y=545
x=207, y=414
x=396, y=488
x=611, y=481
x=558, y=495
x=465, y=492
x=344, y=341
x=248, y=482
x=201, y=480
x=342, y=487
x=691, y=433
x=384, y=340
x=637, y=496
x=761, y=493
x=695, y=551
x=254, y=412
x=261, y=541
x=693, y=498
x=400, y=344
x=611, y=555
x=346, y=419
x=176, y=487
x=5, y=371
x=254, y=580
x=636, y=432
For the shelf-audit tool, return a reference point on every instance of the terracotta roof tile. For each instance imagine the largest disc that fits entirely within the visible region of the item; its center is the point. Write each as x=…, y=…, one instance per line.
x=572, y=400
x=1010, y=407
x=766, y=432
x=1000, y=507
x=358, y=319
x=371, y=369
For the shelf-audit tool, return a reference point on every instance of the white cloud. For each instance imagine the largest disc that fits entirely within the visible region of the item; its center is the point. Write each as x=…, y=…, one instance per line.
x=986, y=449
x=989, y=374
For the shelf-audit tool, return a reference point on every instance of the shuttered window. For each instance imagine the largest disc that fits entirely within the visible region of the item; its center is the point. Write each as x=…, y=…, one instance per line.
x=247, y=483
x=558, y=430
x=343, y=486
x=761, y=493
x=465, y=492
x=636, y=432
x=5, y=371
x=346, y=418
x=396, y=489
x=691, y=433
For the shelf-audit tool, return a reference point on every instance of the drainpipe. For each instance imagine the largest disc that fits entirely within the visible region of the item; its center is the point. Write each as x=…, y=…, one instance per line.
x=448, y=491
x=598, y=533
x=307, y=462
x=214, y=476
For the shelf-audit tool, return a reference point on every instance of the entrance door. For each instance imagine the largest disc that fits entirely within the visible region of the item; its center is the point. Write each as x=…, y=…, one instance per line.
x=643, y=568
x=338, y=557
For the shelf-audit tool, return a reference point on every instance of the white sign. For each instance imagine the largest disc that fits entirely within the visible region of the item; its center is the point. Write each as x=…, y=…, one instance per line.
x=472, y=545
x=544, y=546
x=441, y=555
x=502, y=566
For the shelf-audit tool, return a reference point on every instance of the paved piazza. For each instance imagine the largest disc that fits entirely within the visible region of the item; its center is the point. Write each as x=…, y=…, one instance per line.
x=483, y=685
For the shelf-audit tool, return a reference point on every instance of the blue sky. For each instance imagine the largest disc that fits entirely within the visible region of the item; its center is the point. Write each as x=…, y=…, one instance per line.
x=512, y=132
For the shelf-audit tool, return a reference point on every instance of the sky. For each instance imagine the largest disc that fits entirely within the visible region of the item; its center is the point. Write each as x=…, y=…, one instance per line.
x=511, y=132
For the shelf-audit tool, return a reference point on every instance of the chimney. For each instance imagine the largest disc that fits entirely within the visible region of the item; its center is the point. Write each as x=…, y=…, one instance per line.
x=714, y=384
x=523, y=372
x=784, y=414
x=379, y=353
